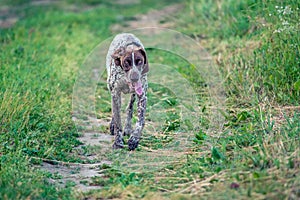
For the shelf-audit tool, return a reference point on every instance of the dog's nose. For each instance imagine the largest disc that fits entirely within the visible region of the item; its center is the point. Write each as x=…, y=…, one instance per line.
x=134, y=77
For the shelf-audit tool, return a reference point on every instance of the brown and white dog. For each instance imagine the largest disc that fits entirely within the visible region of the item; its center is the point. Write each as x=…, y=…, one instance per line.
x=127, y=67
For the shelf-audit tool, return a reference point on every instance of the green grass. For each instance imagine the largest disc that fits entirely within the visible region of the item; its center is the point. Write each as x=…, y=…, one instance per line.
x=255, y=45
x=268, y=29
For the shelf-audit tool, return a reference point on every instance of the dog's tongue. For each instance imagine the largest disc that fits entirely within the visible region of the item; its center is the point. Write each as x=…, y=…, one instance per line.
x=138, y=88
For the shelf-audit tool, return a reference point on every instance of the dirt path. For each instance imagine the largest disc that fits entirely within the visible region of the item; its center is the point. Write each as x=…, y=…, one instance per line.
x=154, y=18
x=96, y=144
x=82, y=174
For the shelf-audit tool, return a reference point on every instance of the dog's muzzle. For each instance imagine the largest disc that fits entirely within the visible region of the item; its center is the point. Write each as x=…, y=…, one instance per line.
x=135, y=82
x=135, y=79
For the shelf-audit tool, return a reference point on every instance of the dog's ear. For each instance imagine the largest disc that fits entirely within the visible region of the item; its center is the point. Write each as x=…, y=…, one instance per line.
x=146, y=64
x=116, y=56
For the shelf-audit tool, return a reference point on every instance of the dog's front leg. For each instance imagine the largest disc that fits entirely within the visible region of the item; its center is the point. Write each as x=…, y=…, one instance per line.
x=128, y=129
x=116, y=120
x=136, y=135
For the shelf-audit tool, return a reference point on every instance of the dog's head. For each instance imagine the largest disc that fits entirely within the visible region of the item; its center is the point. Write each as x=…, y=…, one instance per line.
x=133, y=60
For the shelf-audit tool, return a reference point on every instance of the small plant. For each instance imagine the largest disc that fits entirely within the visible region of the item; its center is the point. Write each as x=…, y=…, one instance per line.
x=200, y=137
x=172, y=122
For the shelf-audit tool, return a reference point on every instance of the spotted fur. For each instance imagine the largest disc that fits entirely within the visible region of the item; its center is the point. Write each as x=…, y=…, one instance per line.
x=133, y=81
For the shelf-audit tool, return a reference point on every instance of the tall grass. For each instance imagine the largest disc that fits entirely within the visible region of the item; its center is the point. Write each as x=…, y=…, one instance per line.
x=256, y=47
x=259, y=48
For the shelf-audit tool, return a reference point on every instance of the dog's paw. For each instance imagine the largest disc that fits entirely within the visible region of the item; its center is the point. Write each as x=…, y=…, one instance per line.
x=119, y=143
x=117, y=146
x=133, y=143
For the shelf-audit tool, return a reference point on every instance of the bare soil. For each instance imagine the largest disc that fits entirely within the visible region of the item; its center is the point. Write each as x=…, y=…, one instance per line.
x=154, y=18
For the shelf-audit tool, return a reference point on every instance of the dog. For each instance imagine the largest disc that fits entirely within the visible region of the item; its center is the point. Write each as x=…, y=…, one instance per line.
x=127, y=67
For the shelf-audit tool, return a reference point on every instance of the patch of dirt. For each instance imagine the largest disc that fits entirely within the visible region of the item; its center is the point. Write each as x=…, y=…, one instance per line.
x=154, y=18
x=281, y=115
x=127, y=2
x=8, y=22
x=8, y=17
x=43, y=2
x=93, y=139
x=11, y=14
x=82, y=174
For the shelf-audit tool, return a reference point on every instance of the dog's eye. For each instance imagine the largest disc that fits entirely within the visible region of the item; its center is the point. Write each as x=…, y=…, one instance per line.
x=138, y=62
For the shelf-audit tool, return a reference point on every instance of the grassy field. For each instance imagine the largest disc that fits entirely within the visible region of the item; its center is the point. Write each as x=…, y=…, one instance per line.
x=255, y=46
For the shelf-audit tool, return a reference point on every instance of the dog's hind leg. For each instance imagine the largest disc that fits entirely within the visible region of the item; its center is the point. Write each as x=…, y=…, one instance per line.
x=128, y=127
x=116, y=120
